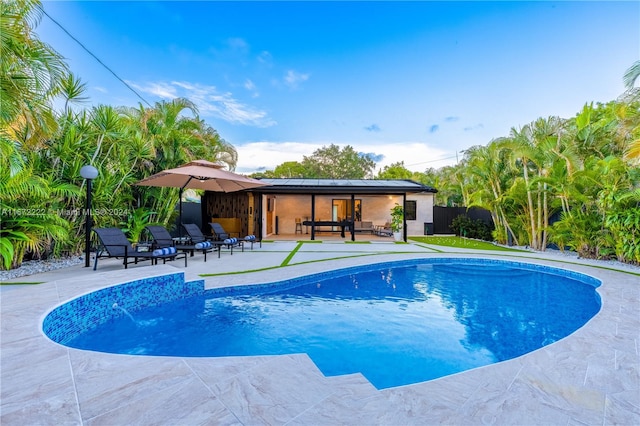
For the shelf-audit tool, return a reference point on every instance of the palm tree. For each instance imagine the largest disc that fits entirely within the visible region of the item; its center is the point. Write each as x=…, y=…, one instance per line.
x=523, y=156
x=28, y=205
x=489, y=174
x=170, y=130
x=631, y=75
x=166, y=136
x=213, y=147
x=30, y=72
x=30, y=76
x=534, y=150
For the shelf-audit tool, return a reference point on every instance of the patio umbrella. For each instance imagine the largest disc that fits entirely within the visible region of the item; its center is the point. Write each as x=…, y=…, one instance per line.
x=200, y=174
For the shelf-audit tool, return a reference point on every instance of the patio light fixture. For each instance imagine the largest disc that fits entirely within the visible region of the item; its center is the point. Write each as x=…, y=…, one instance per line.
x=89, y=173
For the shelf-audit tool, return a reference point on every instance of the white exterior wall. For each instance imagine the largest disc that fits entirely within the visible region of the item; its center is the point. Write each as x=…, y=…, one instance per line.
x=424, y=213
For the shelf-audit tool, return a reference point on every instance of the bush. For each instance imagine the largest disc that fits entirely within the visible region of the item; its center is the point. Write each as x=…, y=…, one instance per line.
x=464, y=226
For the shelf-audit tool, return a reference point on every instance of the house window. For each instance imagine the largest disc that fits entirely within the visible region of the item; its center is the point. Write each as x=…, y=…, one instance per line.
x=410, y=210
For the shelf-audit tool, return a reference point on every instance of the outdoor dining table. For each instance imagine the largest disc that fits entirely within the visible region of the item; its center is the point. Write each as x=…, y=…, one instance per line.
x=313, y=224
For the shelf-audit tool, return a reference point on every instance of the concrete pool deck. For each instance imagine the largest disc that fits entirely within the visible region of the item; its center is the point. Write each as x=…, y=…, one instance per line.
x=590, y=377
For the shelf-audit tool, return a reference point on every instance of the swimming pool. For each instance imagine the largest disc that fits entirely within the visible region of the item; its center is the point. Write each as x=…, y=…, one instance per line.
x=397, y=322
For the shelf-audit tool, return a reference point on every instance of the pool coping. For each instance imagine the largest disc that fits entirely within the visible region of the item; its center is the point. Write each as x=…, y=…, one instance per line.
x=592, y=376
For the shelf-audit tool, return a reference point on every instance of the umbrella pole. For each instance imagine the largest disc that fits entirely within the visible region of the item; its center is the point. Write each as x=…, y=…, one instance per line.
x=180, y=200
x=180, y=216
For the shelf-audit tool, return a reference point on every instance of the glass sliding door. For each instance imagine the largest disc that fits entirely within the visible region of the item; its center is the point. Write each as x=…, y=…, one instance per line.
x=341, y=210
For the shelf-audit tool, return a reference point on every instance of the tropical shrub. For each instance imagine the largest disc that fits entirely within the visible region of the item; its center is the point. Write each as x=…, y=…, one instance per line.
x=136, y=222
x=478, y=229
x=580, y=231
x=625, y=227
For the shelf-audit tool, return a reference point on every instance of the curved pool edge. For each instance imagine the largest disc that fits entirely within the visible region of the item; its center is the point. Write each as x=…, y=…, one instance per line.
x=85, y=312
x=575, y=378
x=98, y=306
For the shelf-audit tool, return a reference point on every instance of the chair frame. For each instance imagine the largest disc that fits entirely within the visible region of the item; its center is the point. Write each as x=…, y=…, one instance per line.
x=162, y=238
x=196, y=236
x=220, y=234
x=364, y=226
x=383, y=230
x=114, y=242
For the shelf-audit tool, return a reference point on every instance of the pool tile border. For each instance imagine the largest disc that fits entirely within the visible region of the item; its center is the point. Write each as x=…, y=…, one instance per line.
x=90, y=310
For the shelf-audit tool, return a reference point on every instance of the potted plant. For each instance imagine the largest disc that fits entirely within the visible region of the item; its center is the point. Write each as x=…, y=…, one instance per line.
x=397, y=221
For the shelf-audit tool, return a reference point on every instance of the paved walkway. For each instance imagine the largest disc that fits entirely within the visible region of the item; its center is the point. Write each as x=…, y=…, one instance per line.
x=590, y=377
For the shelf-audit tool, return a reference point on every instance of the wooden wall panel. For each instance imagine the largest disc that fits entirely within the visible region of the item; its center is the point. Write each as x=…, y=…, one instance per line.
x=232, y=205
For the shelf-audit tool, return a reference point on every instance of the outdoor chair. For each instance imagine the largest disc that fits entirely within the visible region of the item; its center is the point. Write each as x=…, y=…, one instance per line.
x=114, y=243
x=162, y=239
x=219, y=234
x=252, y=239
x=197, y=237
x=363, y=227
x=383, y=230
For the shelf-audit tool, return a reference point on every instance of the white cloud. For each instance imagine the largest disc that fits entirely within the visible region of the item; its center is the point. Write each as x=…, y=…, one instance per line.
x=210, y=102
x=293, y=78
x=251, y=87
x=229, y=109
x=265, y=58
x=248, y=84
x=260, y=156
x=239, y=44
x=417, y=156
x=161, y=90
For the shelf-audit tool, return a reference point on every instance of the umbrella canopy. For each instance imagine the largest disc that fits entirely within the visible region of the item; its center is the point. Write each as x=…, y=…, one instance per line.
x=200, y=174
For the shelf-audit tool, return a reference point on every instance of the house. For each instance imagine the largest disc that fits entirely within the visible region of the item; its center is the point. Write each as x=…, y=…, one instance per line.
x=273, y=209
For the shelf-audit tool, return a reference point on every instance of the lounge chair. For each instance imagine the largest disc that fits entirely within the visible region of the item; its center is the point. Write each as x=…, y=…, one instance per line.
x=383, y=230
x=162, y=238
x=197, y=237
x=219, y=234
x=252, y=239
x=114, y=243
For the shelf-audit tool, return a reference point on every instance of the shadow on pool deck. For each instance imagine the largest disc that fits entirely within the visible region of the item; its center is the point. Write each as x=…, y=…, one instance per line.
x=591, y=377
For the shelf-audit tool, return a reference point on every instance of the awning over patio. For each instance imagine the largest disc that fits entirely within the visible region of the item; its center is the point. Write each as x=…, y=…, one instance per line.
x=342, y=186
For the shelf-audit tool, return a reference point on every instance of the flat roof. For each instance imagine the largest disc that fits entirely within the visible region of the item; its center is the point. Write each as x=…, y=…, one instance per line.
x=343, y=186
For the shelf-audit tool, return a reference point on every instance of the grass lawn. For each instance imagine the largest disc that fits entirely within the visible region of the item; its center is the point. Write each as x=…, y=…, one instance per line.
x=22, y=283
x=459, y=242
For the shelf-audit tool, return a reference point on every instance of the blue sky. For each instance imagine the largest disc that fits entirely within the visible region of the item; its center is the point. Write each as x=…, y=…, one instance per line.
x=405, y=81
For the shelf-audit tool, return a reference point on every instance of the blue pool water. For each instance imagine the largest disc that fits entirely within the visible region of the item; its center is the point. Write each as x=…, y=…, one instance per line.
x=397, y=323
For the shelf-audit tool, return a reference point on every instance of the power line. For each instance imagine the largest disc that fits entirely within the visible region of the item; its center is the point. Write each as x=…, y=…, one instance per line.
x=432, y=161
x=95, y=57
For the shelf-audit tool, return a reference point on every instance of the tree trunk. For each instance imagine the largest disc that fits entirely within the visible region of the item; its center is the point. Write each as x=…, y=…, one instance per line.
x=546, y=219
x=539, y=219
x=509, y=230
x=532, y=233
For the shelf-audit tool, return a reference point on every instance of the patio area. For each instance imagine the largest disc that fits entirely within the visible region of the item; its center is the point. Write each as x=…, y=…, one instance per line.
x=331, y=237
x=589, y=377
